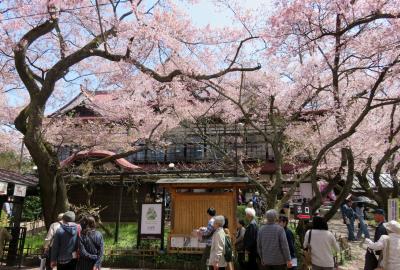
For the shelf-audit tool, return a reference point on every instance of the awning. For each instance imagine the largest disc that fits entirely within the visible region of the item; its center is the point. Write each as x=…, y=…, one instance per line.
x=17, y=178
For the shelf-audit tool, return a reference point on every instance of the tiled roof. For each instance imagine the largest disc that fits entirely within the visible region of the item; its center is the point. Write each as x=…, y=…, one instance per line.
x=88, y=98
x=17, y=178
x=385, y=179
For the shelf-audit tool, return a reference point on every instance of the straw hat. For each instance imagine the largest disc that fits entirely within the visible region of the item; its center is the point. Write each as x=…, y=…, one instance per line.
x=392, y=226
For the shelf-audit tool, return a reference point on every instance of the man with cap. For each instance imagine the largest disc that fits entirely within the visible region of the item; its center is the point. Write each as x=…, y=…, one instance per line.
x=349, y=217
x=64, y=248
x=371, y=261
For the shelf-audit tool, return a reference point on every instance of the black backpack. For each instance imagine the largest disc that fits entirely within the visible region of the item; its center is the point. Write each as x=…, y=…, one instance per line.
x=228, y=249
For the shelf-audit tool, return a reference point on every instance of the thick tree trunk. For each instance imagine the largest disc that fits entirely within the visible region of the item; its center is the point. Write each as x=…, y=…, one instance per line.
x=53, y=190
x=53, y=193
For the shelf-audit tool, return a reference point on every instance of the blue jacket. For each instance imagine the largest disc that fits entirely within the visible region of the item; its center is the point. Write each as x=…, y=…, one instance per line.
x=291, y=243
x=348, y=212
x=65, y=243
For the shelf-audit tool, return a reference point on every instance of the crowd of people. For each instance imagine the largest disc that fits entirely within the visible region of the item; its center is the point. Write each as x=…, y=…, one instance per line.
x=270, y=246
x=73, y=246
x=386, y=240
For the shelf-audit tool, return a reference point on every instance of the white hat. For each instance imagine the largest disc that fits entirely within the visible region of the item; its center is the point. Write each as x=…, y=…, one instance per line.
x=392, y=226
x=257, y=193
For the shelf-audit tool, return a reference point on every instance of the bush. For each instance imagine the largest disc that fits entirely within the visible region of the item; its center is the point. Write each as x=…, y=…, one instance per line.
x=240, y=213
x=32, y=209
x=4, y=222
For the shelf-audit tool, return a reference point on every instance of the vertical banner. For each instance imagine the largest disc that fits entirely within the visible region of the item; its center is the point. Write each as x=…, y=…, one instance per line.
x=393, y=209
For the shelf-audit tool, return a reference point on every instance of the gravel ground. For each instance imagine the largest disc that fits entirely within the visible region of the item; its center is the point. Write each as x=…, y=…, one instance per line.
x=357, y=253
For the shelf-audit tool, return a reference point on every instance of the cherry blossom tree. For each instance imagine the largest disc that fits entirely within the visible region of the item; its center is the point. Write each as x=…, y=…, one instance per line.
x=10, y=139
x=48, y=44
x=332, y=60
x=330, y=68
x=381, y=156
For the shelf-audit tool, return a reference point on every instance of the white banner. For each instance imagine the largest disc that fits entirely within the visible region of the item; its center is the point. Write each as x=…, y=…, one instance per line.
x=151, y=219
x=393, y=209
x=19, y=190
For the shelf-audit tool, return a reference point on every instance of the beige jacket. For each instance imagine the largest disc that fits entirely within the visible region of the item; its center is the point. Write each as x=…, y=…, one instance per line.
x=218, y=248
x=48, y=241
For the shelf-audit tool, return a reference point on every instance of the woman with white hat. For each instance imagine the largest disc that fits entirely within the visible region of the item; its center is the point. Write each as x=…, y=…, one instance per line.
x=390, y=245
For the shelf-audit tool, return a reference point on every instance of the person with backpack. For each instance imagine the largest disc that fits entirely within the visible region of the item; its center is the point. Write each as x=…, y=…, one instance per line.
x=65, y=244
x=91, y=245
x=217, y=261
x=228, y=245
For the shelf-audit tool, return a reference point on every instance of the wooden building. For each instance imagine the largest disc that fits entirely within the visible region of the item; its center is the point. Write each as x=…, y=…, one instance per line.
x=190, y=198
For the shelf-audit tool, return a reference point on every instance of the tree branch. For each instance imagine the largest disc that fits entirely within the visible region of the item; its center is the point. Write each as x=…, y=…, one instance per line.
x=24, y=72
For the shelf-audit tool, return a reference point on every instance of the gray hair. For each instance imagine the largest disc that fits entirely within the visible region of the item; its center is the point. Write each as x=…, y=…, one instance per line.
x=220, y=220
x=250, y=212
x=272, y=216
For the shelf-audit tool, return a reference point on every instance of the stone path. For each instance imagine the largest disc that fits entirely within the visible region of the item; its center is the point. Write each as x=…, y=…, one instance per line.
x=357, y=253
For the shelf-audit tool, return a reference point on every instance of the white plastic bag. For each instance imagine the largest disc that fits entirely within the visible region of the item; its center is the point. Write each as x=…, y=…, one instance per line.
x=42, y=264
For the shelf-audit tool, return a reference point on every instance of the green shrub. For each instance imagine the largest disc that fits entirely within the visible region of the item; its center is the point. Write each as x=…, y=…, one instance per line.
x=32, y=209
x=240, y=213
x=4, y=221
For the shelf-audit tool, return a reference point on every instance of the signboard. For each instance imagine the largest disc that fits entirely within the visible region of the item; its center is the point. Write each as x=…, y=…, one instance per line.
x=306, y=190
x=302, y=211
x=19, y=190
x=151, y=219
x=3, y=188
x=151, y=222
x=393, y=209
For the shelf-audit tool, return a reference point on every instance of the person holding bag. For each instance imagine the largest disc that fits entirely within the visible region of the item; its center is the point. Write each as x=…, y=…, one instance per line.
x=322, y=244
x=48, y=241
x=371, y=262
x=91, y=245
x=389, y=258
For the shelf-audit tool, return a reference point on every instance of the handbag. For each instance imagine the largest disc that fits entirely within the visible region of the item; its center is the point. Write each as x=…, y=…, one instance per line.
x=384, y=257
x=307, y=253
